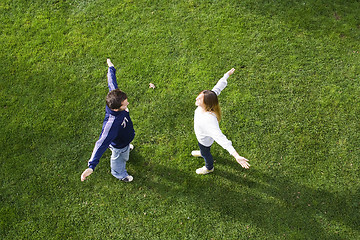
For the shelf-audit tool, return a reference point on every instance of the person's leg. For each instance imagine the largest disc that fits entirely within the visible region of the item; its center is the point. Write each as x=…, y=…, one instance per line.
x=206, y=154
x=118, y=160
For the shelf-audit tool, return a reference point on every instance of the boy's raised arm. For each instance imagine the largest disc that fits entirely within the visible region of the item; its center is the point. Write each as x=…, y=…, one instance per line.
x=111, y=76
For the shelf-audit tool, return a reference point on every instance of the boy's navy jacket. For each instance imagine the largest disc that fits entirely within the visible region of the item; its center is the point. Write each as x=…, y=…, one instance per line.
x=117, y=129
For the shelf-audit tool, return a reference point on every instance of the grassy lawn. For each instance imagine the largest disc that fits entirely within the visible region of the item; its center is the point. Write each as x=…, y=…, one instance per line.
x=292, y=108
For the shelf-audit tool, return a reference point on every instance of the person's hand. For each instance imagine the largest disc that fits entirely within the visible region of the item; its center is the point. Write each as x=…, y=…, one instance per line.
x=86, y=173
x=109, y=63
x=242, y=161
x=231, y=71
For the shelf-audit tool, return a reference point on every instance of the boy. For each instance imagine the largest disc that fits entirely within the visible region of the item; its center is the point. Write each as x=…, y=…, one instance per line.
x=117, y=131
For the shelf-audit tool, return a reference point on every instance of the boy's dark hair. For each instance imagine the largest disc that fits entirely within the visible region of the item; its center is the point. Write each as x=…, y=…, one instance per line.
x=115, y=98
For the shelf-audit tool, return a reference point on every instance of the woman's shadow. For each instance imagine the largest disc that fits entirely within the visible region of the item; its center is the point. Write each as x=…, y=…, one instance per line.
x=272, y=203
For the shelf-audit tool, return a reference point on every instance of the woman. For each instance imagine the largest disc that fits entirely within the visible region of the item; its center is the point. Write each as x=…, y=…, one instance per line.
x=206, y=126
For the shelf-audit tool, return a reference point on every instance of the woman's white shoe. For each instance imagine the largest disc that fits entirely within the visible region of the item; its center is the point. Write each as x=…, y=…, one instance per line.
x=204, y=170
x=196, y=153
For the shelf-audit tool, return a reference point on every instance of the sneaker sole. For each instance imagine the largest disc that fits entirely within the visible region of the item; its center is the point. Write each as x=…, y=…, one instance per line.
x=204, y=173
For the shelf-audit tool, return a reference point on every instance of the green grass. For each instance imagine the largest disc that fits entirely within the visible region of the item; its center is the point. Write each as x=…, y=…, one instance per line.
x=292, y=108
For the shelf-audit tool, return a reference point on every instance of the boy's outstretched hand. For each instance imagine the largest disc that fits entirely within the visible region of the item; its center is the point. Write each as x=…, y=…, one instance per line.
x=86, y=173
x=109, y=63
x=231, y=71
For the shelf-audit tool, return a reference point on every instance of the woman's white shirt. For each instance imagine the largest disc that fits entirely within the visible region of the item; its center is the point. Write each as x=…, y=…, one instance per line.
x=206, y=125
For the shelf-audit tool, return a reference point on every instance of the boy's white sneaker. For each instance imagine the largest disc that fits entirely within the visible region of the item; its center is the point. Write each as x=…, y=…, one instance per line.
x=196, y=153
x=128, y=178
x=204, y=170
